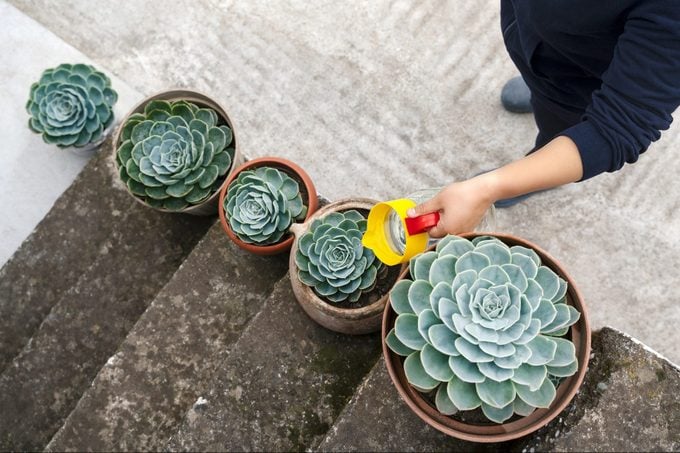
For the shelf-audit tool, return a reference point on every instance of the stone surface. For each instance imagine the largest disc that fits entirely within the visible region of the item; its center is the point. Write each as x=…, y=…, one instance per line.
x=630, y=401
x=392, y=427
x=141, y=251
x=173, y=351
x=33, y=174
x=282, y=386
x=381, y=98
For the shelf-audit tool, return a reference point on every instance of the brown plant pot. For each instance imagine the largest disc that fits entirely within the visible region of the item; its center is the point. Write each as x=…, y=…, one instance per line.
x=352, y=321
x=488, y=433
x=209, y=206
x=307, y=190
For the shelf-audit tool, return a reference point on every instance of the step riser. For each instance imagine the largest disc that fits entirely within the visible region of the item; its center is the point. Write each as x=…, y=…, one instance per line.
x=283, y=385
x=58, y=252
x=44, y=382
x=171, y=355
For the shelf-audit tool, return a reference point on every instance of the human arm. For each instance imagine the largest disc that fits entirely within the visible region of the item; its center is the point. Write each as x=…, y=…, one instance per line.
x=462, y=204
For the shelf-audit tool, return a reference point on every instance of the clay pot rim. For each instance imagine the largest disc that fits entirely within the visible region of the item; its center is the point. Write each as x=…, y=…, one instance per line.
x=301, y=175
x=317, y=302
x=581, y=337
x=175, y=94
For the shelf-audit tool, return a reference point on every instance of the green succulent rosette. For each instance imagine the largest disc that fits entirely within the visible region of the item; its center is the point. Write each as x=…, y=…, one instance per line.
x=71, y=105
x=174, y=155
x=262, y=204
x=482, y=325
x=331, y=259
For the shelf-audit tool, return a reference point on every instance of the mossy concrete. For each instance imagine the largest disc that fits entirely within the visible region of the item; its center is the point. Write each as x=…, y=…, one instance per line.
x=170, y=356
x=282, y=386
x=124, y=266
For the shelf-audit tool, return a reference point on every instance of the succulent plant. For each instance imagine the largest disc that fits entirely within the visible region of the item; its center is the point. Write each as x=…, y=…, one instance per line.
x=481, y=323
x=173, y=155
x=71, y=105
x=262, y=204
x=332, y=260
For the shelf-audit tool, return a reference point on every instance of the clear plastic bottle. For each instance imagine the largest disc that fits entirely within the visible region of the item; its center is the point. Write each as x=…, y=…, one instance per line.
x=394, y=228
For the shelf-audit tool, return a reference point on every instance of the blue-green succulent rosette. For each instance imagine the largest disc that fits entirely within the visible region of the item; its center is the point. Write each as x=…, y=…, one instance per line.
x=482, y=324
x=261, y=205
x=332, y=260
x=174, y=154
x=71, y=105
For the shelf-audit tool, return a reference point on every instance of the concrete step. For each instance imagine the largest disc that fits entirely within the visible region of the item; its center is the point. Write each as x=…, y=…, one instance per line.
x=377, y=419
x=104, y=281
x=281, y=387
x=170, y=356
x=62, y=247
x=628, y=401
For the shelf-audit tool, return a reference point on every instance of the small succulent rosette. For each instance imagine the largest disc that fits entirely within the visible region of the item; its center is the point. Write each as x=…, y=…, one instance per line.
x=174, y=154
x=261, y=205
x=71, y=106
x=333, y=262
x=483, y=324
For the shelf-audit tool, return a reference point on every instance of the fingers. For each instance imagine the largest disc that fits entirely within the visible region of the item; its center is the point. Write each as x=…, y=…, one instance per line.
x=430, y=205
x=437, y=231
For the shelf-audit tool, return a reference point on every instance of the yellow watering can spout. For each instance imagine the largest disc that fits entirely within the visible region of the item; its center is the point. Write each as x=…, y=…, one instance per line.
x=380, y=234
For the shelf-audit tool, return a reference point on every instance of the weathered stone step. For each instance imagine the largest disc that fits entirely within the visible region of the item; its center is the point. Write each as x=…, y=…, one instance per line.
x=169, y=357
x=377, y=419
x=629, y=401
x=138, y=253
x=281, y=387
x=81, y=226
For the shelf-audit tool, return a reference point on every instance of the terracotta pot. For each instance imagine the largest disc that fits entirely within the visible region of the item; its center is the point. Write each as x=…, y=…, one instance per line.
x=307, y=190
x=353, y=321
x=209, y=206
x=580, y=336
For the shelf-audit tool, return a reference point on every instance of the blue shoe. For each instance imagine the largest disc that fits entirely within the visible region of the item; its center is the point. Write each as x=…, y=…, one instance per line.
x=516, y=97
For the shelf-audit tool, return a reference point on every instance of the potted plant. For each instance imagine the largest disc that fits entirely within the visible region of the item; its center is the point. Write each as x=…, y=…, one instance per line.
x=174, y=150
x=486, y=337
x=71, y=106
x=261, y=200
x=337, y=281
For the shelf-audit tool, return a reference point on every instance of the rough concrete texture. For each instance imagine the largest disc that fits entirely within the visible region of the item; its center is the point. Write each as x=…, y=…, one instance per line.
x=380, y=98
x=33, y=174
x=628, y=402
x=171, y=354
x=40, y=387
x=282, y=386
x=86, y=221
x=392, y=427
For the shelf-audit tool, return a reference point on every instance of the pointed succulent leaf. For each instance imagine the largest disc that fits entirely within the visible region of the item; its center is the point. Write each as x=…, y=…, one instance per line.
x=537, y=398
x=397, y=346
x=406, y=330
x=399, y=297
x=443, y=402
x=497, y=415
x=416, y=374
x=465, y=370
x=531, y=376
x=496, y=394
x=419, y=296
x=543, y=350
x=462, y=394
x=436, y=364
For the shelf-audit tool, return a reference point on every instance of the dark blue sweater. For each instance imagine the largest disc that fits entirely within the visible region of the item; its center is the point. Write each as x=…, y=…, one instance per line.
x=615, y=61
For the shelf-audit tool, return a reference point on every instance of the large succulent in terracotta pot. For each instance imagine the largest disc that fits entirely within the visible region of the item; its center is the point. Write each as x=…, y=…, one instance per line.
x=173, y=152
x=71, y=105
x=482, y=324
x=260, y=202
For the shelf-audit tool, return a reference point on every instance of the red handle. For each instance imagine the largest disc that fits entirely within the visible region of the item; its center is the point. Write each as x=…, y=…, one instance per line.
x=422, y=223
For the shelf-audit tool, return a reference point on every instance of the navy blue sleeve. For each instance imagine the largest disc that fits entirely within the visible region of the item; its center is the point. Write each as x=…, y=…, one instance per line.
x=639, y=92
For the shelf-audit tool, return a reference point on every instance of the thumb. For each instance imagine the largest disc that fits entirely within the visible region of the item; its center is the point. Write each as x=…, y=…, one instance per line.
x=430, y=205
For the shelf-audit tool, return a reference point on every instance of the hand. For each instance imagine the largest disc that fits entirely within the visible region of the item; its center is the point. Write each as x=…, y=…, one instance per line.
x=461, y=206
